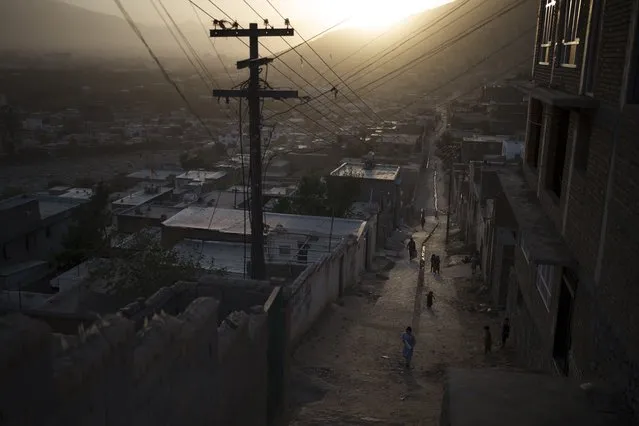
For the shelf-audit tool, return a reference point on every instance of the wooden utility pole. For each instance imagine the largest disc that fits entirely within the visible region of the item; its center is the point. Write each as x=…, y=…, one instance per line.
x=254, y=93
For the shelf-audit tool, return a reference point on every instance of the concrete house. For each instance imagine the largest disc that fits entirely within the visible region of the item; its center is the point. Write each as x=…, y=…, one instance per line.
x=573, y=289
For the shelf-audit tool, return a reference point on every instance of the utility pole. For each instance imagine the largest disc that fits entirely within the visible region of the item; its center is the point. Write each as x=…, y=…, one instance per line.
x=254, y=93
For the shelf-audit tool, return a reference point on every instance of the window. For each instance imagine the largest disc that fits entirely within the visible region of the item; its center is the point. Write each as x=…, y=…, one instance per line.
x=582, y=142
x=570, y=41
x=556, y=156
x=544, y=283
x=285, y=250
x=547, y=33
x=594, y=40
x=533, y=143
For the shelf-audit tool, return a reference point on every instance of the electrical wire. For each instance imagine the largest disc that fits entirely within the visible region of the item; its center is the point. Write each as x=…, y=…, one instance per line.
x=393, y=48
x=211, y=41
x=403, y=68
x=329, y=67
x=289, y=67
x=197, y=70
x=165, y=74
x=309, y=63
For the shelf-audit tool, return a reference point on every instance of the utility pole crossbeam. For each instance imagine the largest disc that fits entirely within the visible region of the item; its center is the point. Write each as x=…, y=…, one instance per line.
x=254, y=93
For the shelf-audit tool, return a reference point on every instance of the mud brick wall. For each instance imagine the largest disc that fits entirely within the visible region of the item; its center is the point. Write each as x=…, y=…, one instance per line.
x=175, y=370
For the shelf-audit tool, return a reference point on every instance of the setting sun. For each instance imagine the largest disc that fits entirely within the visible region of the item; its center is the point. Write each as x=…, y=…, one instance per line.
x=371, y=14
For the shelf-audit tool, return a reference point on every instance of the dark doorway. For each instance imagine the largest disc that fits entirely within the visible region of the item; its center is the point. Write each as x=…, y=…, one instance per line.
x=563, y=327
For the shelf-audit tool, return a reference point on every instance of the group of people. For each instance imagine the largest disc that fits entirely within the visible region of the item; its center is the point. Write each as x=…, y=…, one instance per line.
x=435, y=262
x=409, y=341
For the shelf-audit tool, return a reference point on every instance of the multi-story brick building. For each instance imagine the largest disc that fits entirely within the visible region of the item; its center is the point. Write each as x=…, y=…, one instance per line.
x=576, y=281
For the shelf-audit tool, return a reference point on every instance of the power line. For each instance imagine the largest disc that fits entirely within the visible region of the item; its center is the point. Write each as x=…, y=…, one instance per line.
x=210, y=40
x=393, y=48
x=306, y=115
x=288, y=66
x=182, y=48
x=402, y=69
x=329, y=67
x=165, y=74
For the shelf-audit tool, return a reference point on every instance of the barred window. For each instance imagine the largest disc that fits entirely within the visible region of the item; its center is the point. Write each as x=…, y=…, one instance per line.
x=570, y=41
x=545, y=50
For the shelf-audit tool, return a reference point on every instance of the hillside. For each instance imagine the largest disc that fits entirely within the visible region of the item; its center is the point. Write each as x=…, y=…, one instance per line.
x=52, y=26
x=442, y=25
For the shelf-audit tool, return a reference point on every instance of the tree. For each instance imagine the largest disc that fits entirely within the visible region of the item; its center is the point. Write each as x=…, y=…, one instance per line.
x=317, y=197
x=145, y=266
x=88, y=235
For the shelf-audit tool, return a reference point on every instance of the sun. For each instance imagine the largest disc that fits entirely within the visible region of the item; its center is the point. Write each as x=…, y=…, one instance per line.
x=370, y=14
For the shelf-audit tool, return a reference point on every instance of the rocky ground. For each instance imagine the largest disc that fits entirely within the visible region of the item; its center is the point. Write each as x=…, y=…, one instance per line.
x=349, y=369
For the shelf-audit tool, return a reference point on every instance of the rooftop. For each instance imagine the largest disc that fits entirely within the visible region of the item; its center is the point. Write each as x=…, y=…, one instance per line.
x=153, y=211
x=378, y=172
x=18, y=200
x=486, y=138
x=214, y=254
x=140, y=197
x=78, y=193
x=232, y=221
x=202, y=175
x=148, y=174
x=52, y=205
x=401, y=139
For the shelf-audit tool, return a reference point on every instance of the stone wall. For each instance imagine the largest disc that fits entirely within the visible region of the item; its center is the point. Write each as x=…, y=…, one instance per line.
x=166, y=369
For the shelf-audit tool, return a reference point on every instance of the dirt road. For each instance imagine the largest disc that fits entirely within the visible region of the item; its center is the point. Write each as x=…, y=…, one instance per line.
x=349, y=370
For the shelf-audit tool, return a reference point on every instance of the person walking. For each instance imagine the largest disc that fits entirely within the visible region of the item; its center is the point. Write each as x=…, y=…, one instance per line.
x=409, y=341
x=422, y=219
x=488, y=340
x=437, y=264
x=433, y=259
x=505, y=331
x=429, y=300
x=412, y=248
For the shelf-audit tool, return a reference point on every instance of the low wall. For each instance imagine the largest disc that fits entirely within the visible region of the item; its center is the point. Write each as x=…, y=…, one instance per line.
x=175, y=369
x=322, y=283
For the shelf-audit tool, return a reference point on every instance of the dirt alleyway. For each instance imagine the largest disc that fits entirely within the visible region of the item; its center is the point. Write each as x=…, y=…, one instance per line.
x=349, y=369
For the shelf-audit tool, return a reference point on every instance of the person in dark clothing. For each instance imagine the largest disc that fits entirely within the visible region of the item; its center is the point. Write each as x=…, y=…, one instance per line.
x=429, y=300
x=422, y=219
x=488, y=340
x=437, y=264
x=412, y=248
x=505, y=332
x=408, y=341
x=433, y=259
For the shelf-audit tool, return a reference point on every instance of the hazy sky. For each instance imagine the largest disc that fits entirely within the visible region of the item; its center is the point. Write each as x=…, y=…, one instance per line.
x=308, y=16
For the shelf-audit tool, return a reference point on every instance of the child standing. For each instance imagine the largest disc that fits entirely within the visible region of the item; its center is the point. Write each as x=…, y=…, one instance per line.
x=408, y=339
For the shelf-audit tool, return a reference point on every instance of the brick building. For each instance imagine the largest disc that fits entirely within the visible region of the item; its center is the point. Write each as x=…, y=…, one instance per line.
x=574, y=306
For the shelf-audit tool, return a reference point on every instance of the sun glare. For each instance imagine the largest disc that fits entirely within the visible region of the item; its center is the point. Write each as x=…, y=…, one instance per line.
x=372, y=14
